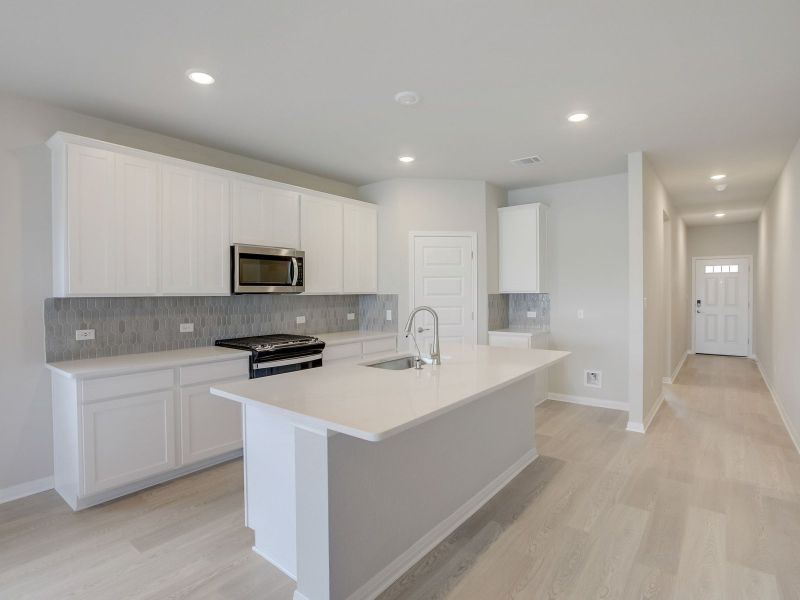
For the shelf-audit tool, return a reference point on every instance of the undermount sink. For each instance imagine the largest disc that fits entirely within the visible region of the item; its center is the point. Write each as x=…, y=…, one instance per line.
x=394, y=364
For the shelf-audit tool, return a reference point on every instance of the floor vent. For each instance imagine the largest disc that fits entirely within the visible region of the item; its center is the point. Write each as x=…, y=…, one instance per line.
x=527, y=161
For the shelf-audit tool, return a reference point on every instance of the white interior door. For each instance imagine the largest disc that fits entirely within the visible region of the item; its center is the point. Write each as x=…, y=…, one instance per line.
x=444, y=279
x=722, y=306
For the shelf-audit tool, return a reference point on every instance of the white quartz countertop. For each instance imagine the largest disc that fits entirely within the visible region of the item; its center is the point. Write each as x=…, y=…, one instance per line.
x=373, y=404
x=520, y=331
x=146, y=361
x=349, y=337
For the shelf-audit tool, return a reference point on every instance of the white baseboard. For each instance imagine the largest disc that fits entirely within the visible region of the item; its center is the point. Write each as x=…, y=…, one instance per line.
x=389, y=574
x=274, y=563
x=649, y=419
x=641, y=427
x=15, y=492
x=674, y=376
x=586, y=401
x=786, y=422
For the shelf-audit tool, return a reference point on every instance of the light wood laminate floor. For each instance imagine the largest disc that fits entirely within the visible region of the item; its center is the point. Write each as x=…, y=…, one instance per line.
x=705, y=506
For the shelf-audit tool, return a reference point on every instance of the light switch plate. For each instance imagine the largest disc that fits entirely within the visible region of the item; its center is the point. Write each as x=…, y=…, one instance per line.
x=351, y=316
x=187, y=327
x=580, y=313
x=531, y=314
x=388, y=315
x=83, y=335
x=300, y=320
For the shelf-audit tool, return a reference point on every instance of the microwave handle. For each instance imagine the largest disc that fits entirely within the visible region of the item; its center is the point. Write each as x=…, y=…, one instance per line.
x=295, y=271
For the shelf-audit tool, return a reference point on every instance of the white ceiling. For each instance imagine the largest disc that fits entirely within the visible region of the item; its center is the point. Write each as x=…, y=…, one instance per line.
x=702, y=86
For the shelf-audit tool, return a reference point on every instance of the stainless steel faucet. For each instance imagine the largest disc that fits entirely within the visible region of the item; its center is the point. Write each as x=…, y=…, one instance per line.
x=436, y=355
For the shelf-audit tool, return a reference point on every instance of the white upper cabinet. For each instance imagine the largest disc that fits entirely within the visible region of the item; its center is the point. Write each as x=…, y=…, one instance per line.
x=85, y=254
x=522, y=240
x=132, y=223
x=321, y=238
x=265, y=216
x=105, y=224
x=195, y=228
x=137, y=232
x=360, y=249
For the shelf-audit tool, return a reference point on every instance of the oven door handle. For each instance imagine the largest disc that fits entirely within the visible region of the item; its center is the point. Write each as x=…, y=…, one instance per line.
x=288, y=361
x=295, y=271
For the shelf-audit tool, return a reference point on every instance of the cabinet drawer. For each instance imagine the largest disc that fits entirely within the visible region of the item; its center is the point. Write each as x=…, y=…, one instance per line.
x=382, y=345
x=229, y=369
x=341, y=351
x=125, y=385
x=510, y=341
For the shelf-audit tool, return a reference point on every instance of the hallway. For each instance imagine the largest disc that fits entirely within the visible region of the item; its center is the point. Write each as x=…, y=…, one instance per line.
x=705, y=506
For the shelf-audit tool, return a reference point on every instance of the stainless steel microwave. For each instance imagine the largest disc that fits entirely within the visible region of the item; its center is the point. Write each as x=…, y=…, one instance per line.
x=264, y=270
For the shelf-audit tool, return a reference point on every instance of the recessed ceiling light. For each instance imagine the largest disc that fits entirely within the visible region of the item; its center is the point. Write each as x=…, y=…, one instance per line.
x=200, y=77
x=718, y=177
x=577, y=117
x=407, y=98
x=405, y=159
x=719, y=215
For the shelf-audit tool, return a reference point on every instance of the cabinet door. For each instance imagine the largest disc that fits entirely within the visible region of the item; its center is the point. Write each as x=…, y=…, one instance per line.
x=360, y=231
x=521, y=234
x=214, y=248
x=321, y=239
x=127, y=439
x=264, y=216
x=180, y=222
x=91, y=214
x=210, y=425
x=195, y=247
x=137, y=202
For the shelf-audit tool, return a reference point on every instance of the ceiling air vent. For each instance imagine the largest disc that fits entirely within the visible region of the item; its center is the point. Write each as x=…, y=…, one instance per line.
x=527, y=161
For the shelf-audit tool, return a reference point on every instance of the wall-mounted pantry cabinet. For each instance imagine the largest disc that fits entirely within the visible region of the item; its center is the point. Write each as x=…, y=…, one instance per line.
x=522, y=239
x=132, y=223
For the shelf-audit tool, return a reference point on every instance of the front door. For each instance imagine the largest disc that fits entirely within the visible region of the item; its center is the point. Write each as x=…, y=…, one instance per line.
x=722, y=306
x=443, y=280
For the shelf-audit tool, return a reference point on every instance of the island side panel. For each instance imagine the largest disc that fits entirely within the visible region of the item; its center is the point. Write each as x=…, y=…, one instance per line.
x=391, y=500
x=270, y=488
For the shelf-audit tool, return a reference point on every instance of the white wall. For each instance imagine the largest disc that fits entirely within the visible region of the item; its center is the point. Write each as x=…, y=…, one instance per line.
x=428, y=205
x=26, y=424
x=658, y=325
x=588, y=266
x=777, y=344
x=722, y=240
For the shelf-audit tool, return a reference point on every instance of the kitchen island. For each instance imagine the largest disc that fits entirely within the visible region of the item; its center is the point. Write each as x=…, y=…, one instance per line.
x=353, y=473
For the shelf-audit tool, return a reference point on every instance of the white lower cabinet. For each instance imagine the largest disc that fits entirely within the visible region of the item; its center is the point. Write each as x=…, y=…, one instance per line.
x=115, y=435
x=525, y=340
x=209, y=425
x=127, y=439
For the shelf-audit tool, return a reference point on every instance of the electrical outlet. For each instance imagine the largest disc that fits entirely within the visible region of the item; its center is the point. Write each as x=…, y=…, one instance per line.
x=83, y=335
x=388, y=315
x=300, y=320
x=187, y=327
x=351, y=316
x=531, y=314
x=593, y=379
x=580, y=313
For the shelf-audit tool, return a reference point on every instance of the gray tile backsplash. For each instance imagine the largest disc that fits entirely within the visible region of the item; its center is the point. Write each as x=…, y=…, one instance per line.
x=372, y=312
x=520, y=304
x=498, y=311
x=130, y=325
